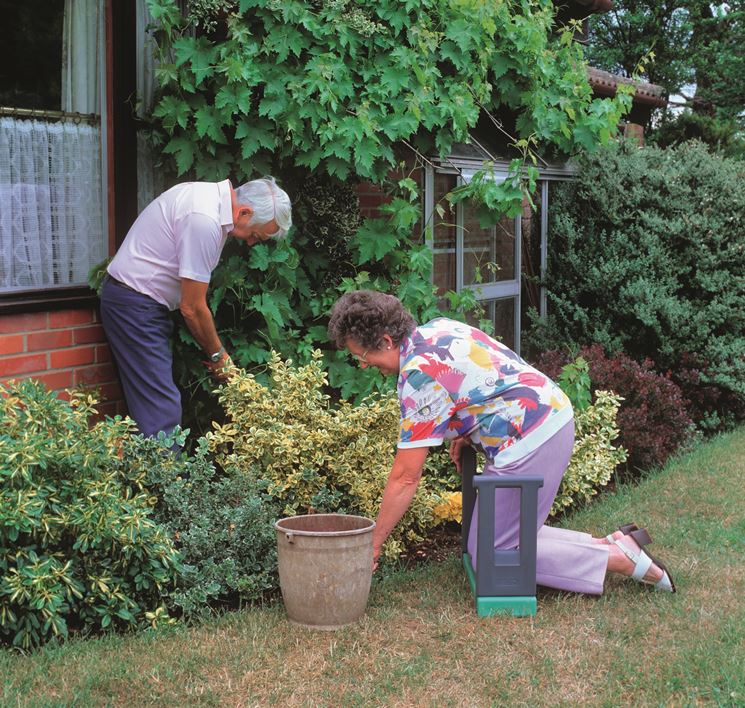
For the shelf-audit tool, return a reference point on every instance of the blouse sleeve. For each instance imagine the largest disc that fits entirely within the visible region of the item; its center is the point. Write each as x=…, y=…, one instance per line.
x=425, y=410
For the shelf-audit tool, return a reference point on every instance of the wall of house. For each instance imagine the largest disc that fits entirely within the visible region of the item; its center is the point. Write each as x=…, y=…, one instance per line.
x=62, y=348
x=371, y=197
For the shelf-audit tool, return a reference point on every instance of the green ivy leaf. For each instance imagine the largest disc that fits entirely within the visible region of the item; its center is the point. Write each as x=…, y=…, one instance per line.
x=374, y=240
x=259, y=257
x=209, y=123
x=183, y=150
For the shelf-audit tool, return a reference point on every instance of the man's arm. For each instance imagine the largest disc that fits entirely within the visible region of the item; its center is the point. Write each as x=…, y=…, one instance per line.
x=199, y=319
x=399, y=491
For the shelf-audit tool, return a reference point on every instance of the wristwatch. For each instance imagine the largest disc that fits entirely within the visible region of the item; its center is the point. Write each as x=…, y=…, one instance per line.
x=214, y=358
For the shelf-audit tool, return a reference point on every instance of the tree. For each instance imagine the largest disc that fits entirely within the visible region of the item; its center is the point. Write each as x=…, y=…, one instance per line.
x=699, y=55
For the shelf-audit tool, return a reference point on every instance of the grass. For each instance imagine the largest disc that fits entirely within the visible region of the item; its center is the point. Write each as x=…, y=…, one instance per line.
x=421, y=644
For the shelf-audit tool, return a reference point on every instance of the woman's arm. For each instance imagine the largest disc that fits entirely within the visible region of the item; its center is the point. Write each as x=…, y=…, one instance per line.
x=399, y=491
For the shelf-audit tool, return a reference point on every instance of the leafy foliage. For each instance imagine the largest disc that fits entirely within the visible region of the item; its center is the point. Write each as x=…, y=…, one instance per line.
x=648, y=258
x=720, y=134
x=222, y=526
x=315, y=457
x=79, y=548
x=574, y=380
x=652, y=419
x=335, y=85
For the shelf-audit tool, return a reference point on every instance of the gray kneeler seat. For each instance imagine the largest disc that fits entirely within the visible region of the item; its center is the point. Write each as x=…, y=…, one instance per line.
x=504, y=580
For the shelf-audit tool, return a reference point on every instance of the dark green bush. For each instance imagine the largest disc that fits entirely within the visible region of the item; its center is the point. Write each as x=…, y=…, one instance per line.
x=223, y=527
x=79, y=548
x=647, y=256
x=720, y=134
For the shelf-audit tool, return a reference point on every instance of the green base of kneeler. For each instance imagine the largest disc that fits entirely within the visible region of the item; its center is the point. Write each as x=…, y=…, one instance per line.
x=515, y=605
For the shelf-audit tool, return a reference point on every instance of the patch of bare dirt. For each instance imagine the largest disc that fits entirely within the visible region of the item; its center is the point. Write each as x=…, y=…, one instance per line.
x=441, y=543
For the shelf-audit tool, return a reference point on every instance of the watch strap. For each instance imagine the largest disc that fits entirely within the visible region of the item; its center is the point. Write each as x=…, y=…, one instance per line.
x=214, y=358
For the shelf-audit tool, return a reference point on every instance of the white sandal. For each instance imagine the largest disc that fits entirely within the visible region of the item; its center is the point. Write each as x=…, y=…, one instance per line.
x=642, y=563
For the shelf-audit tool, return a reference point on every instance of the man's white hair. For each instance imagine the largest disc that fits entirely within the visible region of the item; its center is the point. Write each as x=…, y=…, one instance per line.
x=268, y=201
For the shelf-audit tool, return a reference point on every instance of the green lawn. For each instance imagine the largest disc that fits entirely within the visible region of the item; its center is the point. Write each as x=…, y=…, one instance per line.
x=420, y=643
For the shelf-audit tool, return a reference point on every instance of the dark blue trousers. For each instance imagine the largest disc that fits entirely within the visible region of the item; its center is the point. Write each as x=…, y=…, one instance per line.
x=139, y=333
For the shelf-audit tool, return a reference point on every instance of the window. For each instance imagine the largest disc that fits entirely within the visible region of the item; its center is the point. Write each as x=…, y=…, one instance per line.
x=52, y=188
x=502, y=264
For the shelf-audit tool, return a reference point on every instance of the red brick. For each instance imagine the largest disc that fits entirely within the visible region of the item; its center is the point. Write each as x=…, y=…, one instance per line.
x=56, y=380
x=88, y=335
x=14, y=324
x=95, y=375
x=110, y=391
x=11, y=344
x=73, y=357
x=370, y=201
x=370, y=213
x=51, y=339
x=23, y=364
x=70, y=318
x=103, y=353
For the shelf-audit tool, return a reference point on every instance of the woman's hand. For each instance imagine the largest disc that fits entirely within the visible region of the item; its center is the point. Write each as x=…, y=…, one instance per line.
x=376, y=557
x=456, y=447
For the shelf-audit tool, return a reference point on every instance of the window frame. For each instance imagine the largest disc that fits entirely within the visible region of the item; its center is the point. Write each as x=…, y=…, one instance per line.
x=505, y=289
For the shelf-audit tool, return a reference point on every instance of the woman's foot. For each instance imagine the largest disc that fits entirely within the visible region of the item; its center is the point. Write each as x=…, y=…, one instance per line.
x=626, y=565
x=606, y=540
x=628, y=558
x=641, y=536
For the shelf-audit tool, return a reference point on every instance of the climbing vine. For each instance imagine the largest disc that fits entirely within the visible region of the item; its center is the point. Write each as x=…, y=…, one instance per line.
x=337, y=85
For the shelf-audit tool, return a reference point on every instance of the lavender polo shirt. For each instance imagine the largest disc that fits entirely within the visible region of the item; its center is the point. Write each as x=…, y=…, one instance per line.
x=178, y=235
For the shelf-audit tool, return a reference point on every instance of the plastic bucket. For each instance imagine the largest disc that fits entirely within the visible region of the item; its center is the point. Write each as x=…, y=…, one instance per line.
x=325, y=568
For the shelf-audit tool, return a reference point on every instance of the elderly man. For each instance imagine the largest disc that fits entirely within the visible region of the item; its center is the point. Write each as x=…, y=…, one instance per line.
x=165, y=263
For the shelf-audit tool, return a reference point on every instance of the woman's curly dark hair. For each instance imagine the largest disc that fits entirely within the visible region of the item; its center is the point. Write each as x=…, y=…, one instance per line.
x=365, y=316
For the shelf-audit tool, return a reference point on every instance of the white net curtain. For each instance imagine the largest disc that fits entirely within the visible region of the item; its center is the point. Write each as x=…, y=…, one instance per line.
x=51, y=184
x=51, y=229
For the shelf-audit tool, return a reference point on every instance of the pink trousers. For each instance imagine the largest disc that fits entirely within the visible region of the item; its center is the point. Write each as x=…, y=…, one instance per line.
x=565, y=560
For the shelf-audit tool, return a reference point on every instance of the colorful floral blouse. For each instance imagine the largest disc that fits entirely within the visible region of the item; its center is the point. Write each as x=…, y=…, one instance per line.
x=457, y=381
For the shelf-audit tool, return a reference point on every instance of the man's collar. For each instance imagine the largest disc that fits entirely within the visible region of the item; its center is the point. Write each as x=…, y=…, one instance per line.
x=224, y=189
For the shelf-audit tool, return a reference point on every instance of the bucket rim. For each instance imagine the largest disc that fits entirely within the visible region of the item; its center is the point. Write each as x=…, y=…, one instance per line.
x=349, y=532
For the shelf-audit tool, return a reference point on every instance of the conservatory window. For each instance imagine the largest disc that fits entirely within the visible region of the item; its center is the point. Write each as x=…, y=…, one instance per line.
x=502, y=264
x=52, y=176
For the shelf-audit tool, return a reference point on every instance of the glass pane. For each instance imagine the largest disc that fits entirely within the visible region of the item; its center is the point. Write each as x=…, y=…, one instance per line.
x=501, y=313
x=531, y=257
x=31, y=53
x=444, y=236
x=488, y=254
x=51, y=168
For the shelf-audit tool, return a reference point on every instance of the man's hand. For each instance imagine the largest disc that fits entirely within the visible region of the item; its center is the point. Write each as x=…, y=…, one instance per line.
x=456, y=446
x=221, y=370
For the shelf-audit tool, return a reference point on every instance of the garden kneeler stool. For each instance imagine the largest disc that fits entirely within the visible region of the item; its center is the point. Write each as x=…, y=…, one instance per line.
x=504, y=580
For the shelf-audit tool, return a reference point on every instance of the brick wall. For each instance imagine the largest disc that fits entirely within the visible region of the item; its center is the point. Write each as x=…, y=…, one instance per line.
x=371, y=197
x=62, y=349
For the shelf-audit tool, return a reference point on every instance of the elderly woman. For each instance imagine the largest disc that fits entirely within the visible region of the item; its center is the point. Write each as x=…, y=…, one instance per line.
x=457, y=383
